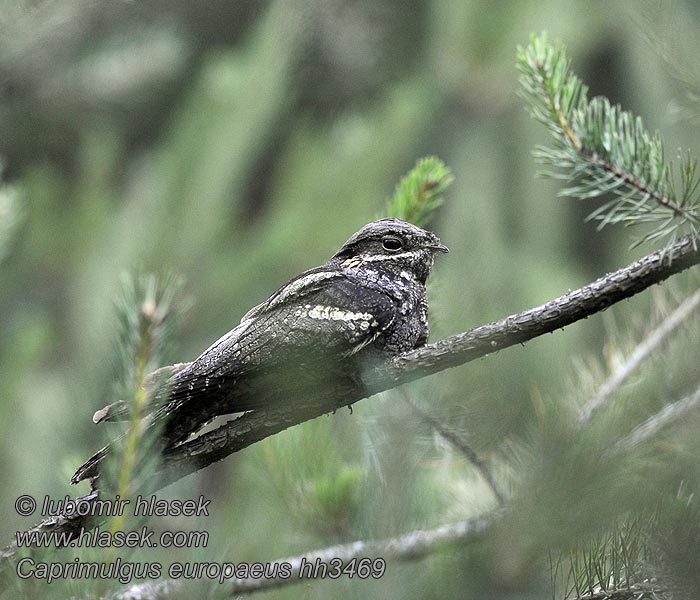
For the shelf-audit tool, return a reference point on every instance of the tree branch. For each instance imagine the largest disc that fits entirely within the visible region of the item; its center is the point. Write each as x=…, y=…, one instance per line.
x=467, y=451
x=409, y=546
x=643, y=350
x=432, y=358
x=648, y=429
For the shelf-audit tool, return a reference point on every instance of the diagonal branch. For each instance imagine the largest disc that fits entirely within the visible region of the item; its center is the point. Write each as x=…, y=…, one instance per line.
x=409, y=546
x=669, y=414
x=455, y=439
x=432, y=358
x=296, y=569
x=643, y=351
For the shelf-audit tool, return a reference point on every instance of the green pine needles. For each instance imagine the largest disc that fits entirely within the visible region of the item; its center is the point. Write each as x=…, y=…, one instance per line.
x=603, y=150
x=147, y=311
x=420, y=191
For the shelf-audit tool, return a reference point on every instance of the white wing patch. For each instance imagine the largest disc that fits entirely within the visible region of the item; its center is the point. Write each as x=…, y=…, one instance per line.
x=338, y=314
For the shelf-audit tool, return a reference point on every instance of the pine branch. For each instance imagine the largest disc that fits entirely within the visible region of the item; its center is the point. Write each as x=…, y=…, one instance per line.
x=419, y=193
x=467, y=451
x=614, y=566
x=669, y=414
x=648, y=591
x=151, y=590
x=146, y=311
x=409, y=546
x=432, y=358
x=602, y=149
x=643, y=350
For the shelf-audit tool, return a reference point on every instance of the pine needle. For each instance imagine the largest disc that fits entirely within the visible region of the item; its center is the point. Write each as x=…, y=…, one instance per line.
x=603, y=150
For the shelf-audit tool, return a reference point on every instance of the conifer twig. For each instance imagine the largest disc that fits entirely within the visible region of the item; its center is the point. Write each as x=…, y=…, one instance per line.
x=469, y=453
x=409, y=546
x=602, y=149
x=432, y=358
x=643, y=350
x=146, y=316
x=146, y=313
x=654, y=424
x=419, y=193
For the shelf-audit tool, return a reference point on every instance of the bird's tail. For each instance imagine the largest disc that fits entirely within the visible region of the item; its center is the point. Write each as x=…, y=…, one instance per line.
x=89, y=468
x=120, y=411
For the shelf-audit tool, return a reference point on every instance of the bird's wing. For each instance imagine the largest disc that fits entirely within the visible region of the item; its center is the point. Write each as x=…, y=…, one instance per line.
x=305, y=284
x=320, y=327
x=323, y=315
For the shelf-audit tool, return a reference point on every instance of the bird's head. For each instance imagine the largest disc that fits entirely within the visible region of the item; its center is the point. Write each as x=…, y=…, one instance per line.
x=392, y=245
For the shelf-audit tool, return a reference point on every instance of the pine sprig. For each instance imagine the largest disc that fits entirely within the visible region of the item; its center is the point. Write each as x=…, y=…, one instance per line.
x=614, y=565
x=601, y=149
x=147, y=312
x=420, y=191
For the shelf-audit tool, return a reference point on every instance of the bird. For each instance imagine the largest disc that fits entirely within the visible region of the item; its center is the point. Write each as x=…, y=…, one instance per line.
x=366, y=303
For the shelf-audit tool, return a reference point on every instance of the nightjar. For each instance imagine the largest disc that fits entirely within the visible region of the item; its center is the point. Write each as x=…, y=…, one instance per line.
x=366, y=303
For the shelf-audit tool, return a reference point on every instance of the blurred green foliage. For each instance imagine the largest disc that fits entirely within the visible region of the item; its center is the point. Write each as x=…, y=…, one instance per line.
x=239, y=143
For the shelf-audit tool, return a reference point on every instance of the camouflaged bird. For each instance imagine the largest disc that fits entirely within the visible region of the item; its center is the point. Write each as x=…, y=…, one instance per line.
x=367, y=302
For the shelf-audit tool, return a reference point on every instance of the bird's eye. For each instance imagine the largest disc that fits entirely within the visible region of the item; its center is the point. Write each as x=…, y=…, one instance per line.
x=392, y=244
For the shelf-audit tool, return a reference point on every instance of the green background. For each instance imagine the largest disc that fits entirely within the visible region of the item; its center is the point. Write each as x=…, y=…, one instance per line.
x=239, y=143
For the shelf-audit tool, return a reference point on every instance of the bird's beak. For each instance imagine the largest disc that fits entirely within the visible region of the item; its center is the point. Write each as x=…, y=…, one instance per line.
x=438, y=247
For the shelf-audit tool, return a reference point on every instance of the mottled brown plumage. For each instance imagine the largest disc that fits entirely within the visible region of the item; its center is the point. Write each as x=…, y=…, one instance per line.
x=367, y=302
